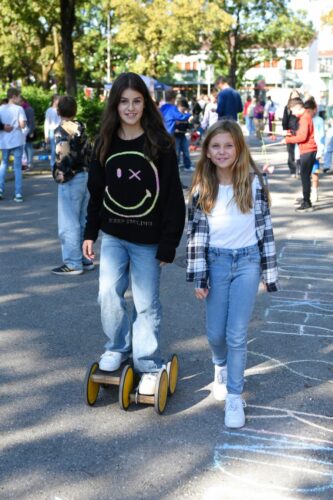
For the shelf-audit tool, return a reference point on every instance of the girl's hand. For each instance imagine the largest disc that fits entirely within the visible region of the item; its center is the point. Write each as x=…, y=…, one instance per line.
x=87, y=249
x=162, y=263
x=201, y=293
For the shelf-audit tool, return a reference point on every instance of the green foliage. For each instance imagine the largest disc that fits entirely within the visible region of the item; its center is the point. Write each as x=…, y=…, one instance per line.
x=90, y=113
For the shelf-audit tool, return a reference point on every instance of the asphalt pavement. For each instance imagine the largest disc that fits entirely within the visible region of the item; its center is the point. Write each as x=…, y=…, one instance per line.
x=55, y=447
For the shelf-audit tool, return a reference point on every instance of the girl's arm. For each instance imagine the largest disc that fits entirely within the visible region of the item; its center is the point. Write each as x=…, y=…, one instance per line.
x=96, y=187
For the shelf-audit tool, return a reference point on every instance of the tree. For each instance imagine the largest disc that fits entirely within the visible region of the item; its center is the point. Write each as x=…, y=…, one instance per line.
x=153, y=32
x=67, y=19
x=29, y=41
x=258, y=29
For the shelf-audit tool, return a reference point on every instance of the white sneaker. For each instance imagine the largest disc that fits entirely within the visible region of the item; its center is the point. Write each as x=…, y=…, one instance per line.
x=111, y=361
x=147, y=384
x=234, y=411
x=220, y=383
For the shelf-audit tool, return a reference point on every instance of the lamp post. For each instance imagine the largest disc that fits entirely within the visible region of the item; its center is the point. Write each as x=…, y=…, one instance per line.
x=108, y=48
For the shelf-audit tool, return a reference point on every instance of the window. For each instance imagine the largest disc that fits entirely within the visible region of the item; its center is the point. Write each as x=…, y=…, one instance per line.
x=275, y=63
x=288, y=64
x=267, y=64
x=188, y=66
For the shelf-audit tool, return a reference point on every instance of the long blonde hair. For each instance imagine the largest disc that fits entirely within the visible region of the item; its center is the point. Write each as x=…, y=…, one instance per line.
x=205, y=180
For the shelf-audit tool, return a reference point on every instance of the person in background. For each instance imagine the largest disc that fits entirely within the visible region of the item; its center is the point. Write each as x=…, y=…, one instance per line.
x=304, y=137
x=12, y=142
x=229, y=102
x=31, y=134
x=290, y=123
x=70, y=172
x=248, y=115
x=52, y=121
x=230, y=247
x=182, y=146
x=210, y=115
x=258, y=117
x=170, y=113
x=319, y=135
x=270, y=110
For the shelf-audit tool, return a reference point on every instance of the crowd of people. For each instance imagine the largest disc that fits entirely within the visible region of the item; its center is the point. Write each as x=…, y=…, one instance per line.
x=126, y=188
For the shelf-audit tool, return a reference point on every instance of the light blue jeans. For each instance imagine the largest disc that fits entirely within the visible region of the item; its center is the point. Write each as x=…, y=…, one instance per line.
x=17, y=153
x=73, y=197
x=121, y=260
x=234, y=279
x=29, y=151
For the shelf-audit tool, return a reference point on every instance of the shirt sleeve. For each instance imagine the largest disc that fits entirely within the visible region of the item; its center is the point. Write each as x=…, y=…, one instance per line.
x=173, y=208
x=96, y=187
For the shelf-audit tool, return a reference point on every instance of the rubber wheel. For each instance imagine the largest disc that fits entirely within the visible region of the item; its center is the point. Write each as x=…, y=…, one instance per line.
x=126, y=387
x=173, y=370
x=161, y=391
x=91, y=389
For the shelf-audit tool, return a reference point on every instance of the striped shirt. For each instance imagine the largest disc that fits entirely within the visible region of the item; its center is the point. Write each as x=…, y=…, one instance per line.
x=198, y=241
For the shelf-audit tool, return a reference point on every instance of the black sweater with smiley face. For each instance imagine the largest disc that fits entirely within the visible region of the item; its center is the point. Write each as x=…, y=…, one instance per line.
x=136, y=199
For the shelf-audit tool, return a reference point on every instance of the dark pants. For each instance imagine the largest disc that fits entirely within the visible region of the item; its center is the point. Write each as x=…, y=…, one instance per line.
x=291, y=158
x=307, y=161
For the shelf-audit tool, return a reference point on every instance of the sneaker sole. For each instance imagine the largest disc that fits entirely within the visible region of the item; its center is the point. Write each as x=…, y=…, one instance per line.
x=69, y=273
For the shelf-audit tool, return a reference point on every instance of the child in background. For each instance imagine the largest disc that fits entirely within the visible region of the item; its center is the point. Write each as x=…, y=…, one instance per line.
x=304, y=137
x=52, y=121
x=137, y=201
x=70, y=171
x=230, y=246
x=319, y=134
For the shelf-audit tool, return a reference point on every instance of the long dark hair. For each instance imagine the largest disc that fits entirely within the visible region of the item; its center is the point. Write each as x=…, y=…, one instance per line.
x=157, y=138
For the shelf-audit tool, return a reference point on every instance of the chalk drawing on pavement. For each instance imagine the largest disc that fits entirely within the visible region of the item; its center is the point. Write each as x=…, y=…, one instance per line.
x=248, y=456
x=273, y=364
x=297, y=329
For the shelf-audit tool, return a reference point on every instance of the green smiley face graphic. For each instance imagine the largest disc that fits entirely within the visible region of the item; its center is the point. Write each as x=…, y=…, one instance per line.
x=133, y=186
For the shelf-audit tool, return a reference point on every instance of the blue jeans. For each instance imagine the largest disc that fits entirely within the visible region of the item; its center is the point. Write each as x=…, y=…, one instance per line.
x=52, y=143
x=73, y=197
x=234, y=279
x=121, y=260
x=182, y=147
x=249, y=125
x=17, y=153
x=29, y=151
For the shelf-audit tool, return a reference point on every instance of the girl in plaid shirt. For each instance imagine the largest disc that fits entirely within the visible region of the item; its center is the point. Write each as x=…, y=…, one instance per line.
x=230, y=246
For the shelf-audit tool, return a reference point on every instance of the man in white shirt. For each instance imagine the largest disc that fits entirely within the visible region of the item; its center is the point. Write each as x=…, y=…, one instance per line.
x=12, y=142
x=52, y=121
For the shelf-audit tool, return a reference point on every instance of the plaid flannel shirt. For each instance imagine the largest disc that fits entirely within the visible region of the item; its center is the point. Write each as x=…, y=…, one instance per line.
x=198, y=241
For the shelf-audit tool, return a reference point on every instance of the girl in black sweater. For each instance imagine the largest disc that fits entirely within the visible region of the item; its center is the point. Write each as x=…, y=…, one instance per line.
x=137, y=202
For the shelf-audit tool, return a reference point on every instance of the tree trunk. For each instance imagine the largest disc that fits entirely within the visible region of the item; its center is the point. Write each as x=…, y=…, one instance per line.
x=67, y=18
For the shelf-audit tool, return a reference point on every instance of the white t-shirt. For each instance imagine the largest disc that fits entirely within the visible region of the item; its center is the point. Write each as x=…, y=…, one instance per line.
x=228, y=226
x=12, y=114
x=52, y=121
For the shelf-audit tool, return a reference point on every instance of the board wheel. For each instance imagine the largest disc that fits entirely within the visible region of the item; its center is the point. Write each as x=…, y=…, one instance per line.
x=173, y=370
x=91, y=389
x=126, y=387
x=161, y=391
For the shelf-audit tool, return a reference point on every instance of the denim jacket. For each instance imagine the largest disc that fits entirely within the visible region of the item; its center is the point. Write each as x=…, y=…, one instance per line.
x=198, y=241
